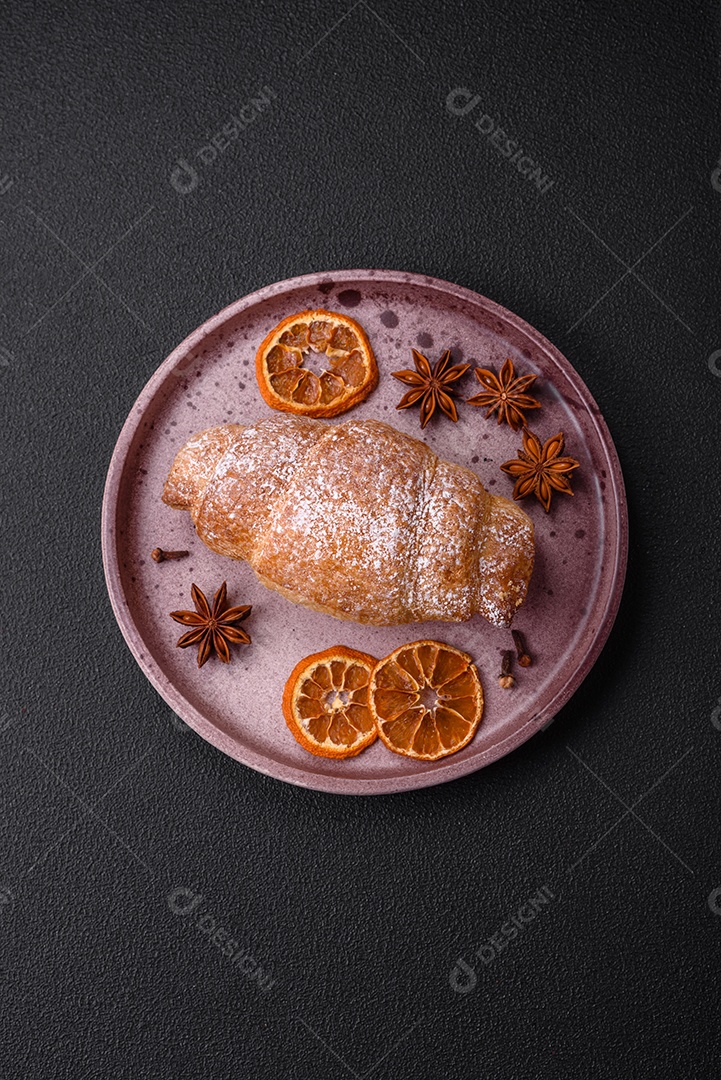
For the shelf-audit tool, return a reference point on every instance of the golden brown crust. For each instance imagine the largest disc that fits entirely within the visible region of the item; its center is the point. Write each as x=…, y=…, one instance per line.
x=356, y=520
x=195, y=464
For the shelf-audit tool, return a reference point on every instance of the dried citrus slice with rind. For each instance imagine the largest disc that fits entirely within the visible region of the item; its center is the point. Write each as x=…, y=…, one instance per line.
x=325, y=702
x=335, y=344
x=426, y=700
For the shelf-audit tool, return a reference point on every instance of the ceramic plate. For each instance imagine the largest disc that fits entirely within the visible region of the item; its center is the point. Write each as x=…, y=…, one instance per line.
x=210, y=379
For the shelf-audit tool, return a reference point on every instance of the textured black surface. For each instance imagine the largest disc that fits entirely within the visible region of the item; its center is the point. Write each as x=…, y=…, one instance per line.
x=357, y=911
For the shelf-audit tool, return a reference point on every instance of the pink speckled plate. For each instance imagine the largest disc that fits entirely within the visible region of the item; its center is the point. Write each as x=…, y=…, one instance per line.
x=210, y=379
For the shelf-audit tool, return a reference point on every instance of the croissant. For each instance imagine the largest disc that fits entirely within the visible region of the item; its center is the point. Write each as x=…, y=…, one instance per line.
x=356, y=520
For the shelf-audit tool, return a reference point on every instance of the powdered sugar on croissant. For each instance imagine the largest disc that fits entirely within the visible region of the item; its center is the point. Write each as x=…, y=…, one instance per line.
x=356, y=520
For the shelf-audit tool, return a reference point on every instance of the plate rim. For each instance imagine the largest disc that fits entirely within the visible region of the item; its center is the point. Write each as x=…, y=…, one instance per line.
x=193, y=717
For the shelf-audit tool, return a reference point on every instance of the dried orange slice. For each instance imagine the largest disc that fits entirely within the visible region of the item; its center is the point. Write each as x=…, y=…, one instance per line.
x=426, y=699
x=325, y=702
x=334, y=344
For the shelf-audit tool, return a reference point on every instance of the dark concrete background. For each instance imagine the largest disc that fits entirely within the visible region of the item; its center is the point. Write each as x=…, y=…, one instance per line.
x=355, y=913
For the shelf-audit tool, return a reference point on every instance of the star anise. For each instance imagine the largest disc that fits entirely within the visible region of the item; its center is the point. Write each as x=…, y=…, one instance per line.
x=431, y=386
x=540, y=470
x=214, y=627
x=506, y=393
